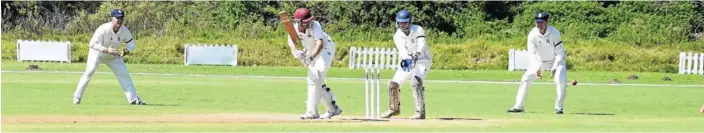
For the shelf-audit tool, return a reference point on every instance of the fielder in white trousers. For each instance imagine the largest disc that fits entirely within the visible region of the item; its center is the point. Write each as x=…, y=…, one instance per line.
x=103, y=50
x=560, y=80
x=546, y=53
x=117, y=65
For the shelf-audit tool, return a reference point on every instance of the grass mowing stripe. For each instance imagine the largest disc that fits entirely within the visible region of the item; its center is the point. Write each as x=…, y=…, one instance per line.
x=472, y=75
x=336, y=78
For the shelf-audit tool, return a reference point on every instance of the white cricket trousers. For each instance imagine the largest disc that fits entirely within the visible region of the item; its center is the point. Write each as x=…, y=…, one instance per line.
x=421, y=70
x=560, y=80
x=317, y=89
x=117, y=65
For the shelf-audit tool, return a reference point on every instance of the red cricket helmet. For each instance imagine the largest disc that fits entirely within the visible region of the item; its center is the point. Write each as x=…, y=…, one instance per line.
x=303, y=15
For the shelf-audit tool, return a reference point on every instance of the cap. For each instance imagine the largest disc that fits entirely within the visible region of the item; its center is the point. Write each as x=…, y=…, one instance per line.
x=118, y=13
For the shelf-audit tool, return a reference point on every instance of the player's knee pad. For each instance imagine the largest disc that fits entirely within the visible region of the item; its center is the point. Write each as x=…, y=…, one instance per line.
x=393, y=85
x=417, y=82
x=418, y=88
x=329, y=91
x=325, y=87
x=419, y=94
x=394, y=96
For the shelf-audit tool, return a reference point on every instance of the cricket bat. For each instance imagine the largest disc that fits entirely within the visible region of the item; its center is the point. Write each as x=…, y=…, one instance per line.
x=288, y=24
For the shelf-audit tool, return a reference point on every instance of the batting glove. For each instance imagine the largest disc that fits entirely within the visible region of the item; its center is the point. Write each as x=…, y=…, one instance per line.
x=307, y=60
x=299, y=55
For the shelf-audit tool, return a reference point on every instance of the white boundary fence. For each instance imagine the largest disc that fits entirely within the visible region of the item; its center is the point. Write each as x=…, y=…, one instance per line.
x=518, y=59
x=210, y=54
x=31, y=50
x=691, y=63
x=388, y=57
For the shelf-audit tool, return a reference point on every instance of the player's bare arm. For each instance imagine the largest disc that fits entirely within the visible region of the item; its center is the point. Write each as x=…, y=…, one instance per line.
x=318, y=48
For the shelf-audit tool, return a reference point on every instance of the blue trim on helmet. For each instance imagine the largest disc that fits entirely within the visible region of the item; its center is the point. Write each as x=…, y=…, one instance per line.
x=403, y=20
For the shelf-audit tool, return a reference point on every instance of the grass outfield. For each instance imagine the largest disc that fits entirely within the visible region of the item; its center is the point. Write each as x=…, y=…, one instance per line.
x=41, y=101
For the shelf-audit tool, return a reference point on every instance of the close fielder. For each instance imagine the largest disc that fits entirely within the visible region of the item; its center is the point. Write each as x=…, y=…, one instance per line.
x=547, y=52
x=415, y=64
x=103, y=50
x=317, y=56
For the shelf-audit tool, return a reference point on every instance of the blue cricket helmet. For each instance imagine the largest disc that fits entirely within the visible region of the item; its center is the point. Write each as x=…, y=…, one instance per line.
x=541, y=16
x=403, y=16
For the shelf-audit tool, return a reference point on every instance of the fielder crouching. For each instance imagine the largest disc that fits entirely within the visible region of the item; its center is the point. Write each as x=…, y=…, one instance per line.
x=103, y=50
x=415, y=64
x=547, y=53
x=317, y=56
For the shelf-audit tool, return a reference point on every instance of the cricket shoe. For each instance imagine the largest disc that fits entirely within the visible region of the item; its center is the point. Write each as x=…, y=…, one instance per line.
x=390, y=113
x=309, y=116
x=418, y=116
x=514, y=110
x=329, y=114
x=138, y=102
x=76, y=100
x=558, y=111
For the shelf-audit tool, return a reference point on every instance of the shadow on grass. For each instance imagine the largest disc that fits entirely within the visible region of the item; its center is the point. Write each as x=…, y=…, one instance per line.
x=446, y=119
x=609, y=114
x=157, y=104
x=369, y=120
x=459, y=119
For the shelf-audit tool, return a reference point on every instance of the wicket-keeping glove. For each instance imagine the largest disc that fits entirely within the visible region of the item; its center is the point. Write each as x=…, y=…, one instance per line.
x=407, y=65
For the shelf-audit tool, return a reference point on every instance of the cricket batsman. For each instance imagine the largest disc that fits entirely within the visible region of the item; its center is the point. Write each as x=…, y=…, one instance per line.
x=547, y=53
x=103, y=49
x=416, y=60
x=317, y=55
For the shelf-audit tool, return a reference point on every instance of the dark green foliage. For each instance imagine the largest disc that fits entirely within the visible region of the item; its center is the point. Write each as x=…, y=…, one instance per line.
x=613, y=36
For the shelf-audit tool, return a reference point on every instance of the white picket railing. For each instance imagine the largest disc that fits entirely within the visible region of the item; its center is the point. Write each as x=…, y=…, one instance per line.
x=518, y=59
x=691, y=63
x=31, y=50
x=363, y=57
x=210, y=54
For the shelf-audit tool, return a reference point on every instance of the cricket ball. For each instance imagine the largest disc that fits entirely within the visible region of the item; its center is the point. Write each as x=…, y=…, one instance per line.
x=574, y=82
